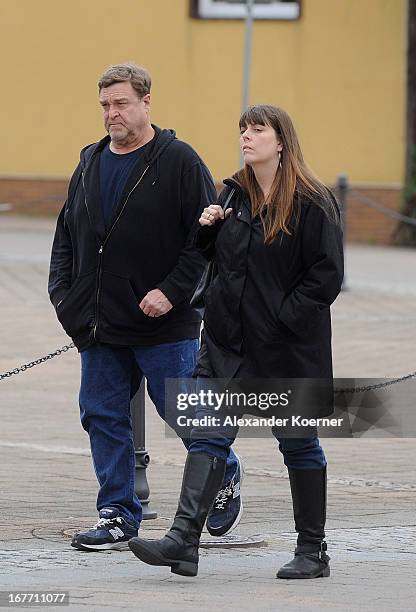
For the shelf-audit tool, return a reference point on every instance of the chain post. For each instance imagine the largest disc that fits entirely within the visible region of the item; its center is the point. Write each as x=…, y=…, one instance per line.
x=342, y=192
x=141, y=488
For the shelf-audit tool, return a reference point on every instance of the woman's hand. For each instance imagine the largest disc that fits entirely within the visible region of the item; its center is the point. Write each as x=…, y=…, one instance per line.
x=213, y=213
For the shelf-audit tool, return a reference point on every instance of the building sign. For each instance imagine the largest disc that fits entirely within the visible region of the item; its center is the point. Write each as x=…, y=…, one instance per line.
x=237, y=9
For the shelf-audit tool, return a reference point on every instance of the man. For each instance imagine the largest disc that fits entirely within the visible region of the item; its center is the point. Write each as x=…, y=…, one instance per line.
x=122, y=273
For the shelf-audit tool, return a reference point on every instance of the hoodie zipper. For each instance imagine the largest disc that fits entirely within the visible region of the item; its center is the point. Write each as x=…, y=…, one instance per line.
x=85, y=197
x=101, y=249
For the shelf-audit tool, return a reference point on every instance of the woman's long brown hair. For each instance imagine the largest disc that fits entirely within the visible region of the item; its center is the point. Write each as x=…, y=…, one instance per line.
x=293, y=182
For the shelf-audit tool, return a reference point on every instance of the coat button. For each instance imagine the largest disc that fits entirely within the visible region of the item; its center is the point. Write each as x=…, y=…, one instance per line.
x=239, y=213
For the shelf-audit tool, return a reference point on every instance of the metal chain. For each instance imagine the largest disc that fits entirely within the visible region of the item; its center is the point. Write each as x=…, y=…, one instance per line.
x=36, y=362
x=337, y=390
x=381, y=208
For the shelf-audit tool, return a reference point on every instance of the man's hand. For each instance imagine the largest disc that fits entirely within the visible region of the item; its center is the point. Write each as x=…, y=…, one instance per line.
x=155, y=304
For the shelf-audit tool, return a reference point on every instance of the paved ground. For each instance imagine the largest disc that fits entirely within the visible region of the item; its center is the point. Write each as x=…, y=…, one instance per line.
x=48, y=485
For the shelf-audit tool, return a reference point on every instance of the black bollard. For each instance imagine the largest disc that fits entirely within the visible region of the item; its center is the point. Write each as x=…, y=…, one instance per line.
x=142, y=456
x=342, y=193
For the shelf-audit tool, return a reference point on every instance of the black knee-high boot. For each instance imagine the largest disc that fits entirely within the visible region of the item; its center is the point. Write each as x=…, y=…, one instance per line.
x=178, y=549
x=309, y=508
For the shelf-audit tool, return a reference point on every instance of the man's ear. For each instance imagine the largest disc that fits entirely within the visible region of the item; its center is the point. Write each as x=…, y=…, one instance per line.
x=146, y=100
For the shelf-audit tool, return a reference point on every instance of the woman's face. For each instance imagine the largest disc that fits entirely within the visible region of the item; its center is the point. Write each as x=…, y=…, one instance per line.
x=259, y=144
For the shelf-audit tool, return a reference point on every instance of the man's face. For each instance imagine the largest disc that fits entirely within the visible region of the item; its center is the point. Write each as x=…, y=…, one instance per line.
x=125, y=114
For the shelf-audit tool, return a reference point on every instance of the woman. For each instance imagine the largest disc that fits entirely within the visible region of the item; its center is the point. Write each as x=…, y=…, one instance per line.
x=278, y=250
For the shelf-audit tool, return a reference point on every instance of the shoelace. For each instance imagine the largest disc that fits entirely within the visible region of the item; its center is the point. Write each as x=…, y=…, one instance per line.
x=103, y=522
x=222, y=496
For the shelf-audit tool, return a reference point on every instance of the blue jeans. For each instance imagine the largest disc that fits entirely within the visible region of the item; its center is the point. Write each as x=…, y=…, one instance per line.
x=298, y=453
x=110, y=376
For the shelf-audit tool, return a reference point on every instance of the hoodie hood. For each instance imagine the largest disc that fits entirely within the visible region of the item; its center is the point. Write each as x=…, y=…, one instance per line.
x=160, y=141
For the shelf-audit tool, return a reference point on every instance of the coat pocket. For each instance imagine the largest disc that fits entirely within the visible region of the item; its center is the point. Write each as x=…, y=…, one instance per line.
x=216, y=317
x=75, y=311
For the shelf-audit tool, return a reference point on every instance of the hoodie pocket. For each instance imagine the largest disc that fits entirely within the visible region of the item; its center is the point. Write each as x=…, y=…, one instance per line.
x=75, y=311
x=119, y=306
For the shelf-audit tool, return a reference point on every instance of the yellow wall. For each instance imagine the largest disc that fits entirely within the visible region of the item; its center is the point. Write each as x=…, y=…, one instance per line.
x=339, y=71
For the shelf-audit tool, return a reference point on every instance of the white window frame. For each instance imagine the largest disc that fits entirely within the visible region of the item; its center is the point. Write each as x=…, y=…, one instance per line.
x=208, y=9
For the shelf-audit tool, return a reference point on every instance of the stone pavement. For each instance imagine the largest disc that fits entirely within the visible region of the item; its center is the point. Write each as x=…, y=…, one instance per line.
x=48, y=485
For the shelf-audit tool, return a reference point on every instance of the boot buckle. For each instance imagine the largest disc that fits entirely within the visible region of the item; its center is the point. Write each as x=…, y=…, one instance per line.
x=323, y=556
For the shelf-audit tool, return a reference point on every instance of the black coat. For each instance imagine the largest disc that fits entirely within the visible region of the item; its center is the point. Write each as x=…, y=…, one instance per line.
x=98, y=276
x=267, y=311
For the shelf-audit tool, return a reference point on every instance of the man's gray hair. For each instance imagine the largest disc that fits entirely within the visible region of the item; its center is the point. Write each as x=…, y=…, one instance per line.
x=137, y=75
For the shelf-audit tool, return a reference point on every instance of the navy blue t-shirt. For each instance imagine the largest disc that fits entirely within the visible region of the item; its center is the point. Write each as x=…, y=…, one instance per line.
x=115, y=170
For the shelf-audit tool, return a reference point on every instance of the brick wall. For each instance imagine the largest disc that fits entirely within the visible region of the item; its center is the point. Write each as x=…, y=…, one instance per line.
x=33, y=196
x=46, y=196
x=364, y=224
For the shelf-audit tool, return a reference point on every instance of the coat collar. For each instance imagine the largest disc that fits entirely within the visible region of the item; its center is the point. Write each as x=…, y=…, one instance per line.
x=241, y=204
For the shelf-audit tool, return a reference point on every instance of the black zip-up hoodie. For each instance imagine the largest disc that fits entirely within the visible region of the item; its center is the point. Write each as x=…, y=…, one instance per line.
x=98, y=277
